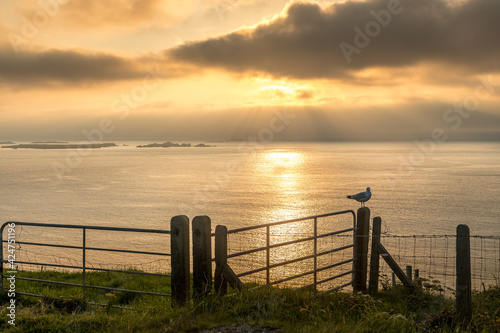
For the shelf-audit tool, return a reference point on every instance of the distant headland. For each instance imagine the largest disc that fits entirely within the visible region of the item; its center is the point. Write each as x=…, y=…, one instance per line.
x=50, y=142
x=169, y=144
x=6, y=143
x=61, y=146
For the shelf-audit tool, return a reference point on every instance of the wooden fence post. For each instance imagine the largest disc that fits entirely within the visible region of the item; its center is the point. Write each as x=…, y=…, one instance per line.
x=220, y=259
x=397, y=271
x=375, y=257
x=409, y=273
x=417, y=276
x=361, y=249
x=463, y=287
x=202, y=256
x=179, y=250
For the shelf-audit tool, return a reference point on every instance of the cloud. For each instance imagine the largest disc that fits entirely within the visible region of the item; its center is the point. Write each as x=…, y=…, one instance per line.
x=304, y=94
x=222, y=8
x=126, y=14
x=55, y=66
x=110, y=13
x=48, y=68
x=26, y=64
x=304, y=42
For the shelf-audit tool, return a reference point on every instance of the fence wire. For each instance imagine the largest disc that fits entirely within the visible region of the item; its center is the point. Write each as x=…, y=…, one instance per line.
x=435, y=258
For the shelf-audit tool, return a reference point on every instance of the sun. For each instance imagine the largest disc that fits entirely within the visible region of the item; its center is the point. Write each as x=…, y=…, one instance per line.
x=277, y=89
x=272, y=94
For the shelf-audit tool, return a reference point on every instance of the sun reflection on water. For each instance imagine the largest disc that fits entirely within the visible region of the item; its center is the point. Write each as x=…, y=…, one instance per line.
x=283, y=175
x=284, y=157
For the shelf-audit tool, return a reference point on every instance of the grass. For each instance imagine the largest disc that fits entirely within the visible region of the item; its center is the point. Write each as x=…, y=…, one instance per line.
x=391, y=310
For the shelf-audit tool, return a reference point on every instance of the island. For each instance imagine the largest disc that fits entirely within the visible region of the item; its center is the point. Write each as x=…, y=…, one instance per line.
x=7, y=143
x=50, y=142
x=62, y=146
x=169, y=144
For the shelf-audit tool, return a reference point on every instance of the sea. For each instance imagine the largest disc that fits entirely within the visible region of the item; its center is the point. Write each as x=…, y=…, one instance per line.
x=417, y=189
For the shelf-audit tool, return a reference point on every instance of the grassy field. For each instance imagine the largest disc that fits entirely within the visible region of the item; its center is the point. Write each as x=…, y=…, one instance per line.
x=391, y=310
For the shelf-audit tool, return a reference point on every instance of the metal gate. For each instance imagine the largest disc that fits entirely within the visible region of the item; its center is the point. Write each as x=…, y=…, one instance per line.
x=13, y=245
x=274, y=249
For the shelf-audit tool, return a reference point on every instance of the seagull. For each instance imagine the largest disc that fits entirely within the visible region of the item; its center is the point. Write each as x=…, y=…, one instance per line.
x=362, y=196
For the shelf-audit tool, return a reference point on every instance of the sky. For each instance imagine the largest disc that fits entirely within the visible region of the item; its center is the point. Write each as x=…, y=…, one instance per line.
x=372, y=70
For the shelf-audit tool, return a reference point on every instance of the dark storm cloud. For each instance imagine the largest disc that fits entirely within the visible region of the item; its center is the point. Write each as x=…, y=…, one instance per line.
x=306, y=42
x=63, y=66
x=68, y=67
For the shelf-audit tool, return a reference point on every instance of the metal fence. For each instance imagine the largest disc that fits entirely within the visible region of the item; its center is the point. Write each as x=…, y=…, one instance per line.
x=303, y=253
x=84, y=267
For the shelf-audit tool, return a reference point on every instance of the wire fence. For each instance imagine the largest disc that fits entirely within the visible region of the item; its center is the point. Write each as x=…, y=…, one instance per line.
x=435, y=258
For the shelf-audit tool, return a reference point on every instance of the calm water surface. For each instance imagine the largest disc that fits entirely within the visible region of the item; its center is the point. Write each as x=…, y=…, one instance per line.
x=126, y=186
x=129, y=187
